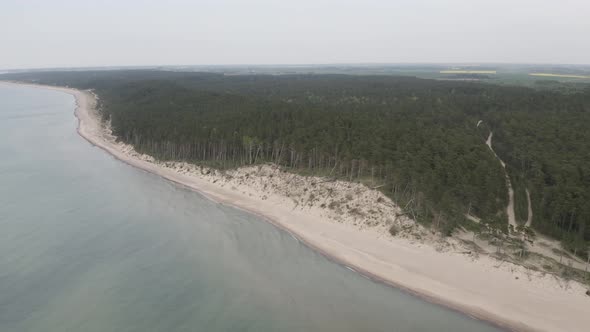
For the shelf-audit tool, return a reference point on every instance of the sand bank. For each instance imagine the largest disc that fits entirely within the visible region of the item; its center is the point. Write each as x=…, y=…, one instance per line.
x=441, y=271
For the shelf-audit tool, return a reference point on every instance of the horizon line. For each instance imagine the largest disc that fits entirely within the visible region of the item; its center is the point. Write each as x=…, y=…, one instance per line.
x=302, y=65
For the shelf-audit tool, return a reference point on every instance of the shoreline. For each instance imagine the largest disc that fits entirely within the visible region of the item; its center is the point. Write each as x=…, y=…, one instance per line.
x=476, y=288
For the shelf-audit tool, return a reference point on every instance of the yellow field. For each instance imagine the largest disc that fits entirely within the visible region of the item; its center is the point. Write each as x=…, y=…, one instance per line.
x=468, y=72
x=558, y=75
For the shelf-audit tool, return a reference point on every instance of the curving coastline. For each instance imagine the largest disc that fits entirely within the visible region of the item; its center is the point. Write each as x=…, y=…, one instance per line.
x=481, y=288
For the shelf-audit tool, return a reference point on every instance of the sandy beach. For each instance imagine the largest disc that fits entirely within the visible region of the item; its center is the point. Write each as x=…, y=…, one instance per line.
x=439, y=270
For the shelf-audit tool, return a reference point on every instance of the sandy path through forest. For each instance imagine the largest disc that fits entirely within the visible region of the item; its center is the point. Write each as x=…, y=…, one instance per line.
x=510, y=206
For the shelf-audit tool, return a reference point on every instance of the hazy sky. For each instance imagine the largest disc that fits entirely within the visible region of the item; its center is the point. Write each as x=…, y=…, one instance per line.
x=56, y=33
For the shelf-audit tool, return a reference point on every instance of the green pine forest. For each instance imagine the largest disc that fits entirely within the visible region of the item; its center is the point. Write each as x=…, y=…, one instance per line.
x=414, y=139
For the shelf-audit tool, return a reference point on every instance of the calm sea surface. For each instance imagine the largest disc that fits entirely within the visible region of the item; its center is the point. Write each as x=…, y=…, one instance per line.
x=88, y=243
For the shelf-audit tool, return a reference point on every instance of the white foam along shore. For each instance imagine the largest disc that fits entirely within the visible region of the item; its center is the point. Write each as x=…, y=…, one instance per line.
x=502, y=293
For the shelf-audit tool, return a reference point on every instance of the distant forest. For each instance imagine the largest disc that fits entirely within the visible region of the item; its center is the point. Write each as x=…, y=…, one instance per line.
x=416, y=140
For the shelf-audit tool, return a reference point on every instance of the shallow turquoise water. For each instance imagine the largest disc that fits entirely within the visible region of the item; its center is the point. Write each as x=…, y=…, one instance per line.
x=88, y=243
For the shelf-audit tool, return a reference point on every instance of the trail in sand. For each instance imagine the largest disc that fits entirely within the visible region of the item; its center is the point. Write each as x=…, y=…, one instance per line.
x=510, y=206
x=529, y=219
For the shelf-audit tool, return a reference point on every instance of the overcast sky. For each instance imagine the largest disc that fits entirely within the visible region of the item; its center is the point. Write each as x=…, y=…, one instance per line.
x=73, y=33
